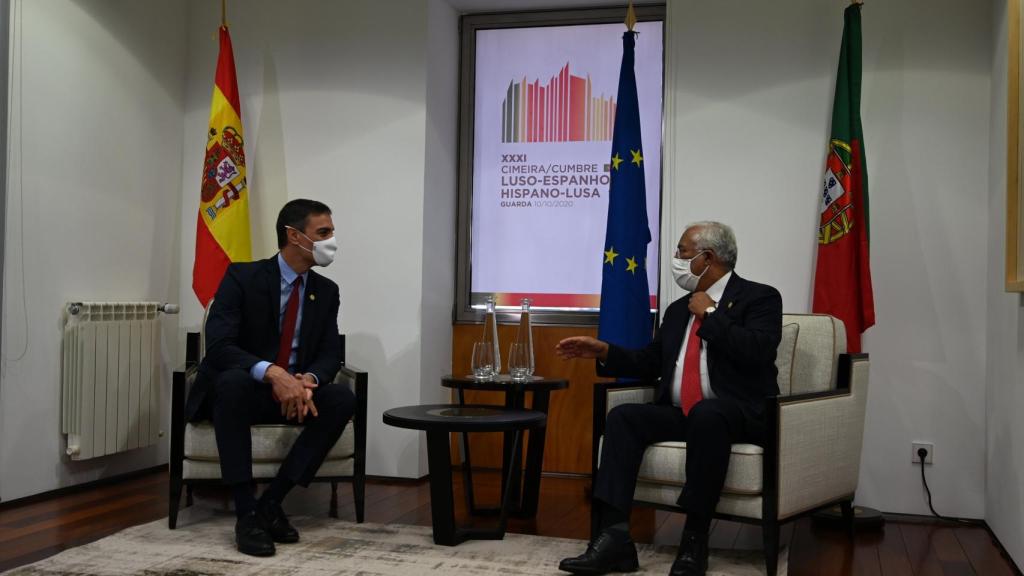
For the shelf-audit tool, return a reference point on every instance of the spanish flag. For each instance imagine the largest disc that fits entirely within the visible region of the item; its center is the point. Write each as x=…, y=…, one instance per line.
x=222, y=227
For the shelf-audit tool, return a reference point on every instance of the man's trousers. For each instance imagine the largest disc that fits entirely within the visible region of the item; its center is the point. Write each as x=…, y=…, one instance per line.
x=239, y=402
x=709, y=430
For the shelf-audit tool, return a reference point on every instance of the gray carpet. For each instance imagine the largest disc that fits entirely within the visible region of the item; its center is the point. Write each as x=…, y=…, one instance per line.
x=334, y=547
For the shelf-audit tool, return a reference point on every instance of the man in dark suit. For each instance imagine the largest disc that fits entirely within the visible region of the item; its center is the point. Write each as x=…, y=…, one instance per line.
x=272, y=351
x=715, y=357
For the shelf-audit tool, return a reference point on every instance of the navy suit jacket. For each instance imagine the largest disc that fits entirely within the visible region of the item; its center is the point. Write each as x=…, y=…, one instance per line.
x=742, y=336
x=242, y=327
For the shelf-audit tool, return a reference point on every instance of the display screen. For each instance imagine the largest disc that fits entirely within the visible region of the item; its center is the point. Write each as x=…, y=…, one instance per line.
x=543, y=115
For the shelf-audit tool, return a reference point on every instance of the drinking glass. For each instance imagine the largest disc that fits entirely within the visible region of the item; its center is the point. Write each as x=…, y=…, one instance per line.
x=483, y=360
x=518, y=362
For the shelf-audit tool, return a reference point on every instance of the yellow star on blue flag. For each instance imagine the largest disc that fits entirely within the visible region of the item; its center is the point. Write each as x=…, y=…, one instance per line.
x=609, y=256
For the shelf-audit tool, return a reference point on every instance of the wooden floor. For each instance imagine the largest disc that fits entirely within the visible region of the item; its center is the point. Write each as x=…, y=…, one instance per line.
x=907, y=546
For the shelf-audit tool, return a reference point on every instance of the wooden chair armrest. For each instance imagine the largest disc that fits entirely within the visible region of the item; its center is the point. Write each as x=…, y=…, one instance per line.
x=360, y=379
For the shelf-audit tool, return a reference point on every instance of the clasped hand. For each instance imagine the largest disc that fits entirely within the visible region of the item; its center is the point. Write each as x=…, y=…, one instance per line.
x=699, y=303
x=293, y=392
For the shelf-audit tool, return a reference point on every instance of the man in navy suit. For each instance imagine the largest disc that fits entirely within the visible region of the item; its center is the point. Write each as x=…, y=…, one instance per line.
x=272, y=351
x=714, y=356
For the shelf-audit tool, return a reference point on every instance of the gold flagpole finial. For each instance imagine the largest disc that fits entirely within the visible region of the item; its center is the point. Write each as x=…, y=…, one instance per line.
x=224, y=13
x=630, y=17
x=857, y=2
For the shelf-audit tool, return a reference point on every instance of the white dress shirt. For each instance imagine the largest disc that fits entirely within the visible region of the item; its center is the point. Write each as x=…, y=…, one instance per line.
x=715, y=293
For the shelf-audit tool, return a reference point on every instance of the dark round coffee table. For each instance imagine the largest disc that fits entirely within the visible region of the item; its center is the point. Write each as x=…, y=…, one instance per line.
x=438, y=421
x=525, y=488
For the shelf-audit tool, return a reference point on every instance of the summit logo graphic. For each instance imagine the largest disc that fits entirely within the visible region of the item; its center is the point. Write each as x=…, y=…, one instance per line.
x=562, y=110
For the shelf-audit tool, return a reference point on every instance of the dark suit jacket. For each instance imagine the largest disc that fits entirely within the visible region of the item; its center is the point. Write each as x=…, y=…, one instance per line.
x=742, y=337
x=242, y=327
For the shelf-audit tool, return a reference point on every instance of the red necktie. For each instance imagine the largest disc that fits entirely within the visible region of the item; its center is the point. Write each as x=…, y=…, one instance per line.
x=291, y=315
x=690, y=391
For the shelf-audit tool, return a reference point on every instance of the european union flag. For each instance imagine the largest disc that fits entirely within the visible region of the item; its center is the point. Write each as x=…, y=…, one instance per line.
x=625, y=298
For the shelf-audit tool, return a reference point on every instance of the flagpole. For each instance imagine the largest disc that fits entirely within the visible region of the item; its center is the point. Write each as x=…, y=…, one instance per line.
x=864, y=518
x=630, y=17
x=224, y=13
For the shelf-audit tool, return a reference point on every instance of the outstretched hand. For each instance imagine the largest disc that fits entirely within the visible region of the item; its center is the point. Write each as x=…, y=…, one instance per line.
x=582, y=347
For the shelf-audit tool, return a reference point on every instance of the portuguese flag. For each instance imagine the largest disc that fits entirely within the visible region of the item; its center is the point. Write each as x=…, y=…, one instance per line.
x=222, y=227
x=842, y=280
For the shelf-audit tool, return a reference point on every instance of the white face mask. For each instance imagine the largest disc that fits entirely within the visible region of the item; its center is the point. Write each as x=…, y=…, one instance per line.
x=323, y=250
x=684, y=277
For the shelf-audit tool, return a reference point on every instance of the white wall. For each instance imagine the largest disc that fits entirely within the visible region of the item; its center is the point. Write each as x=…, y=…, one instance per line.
x=1004, y=495
x=354, y=104
x=335, y=107
x=749, y=98
x=92, y=206
x=439, y=201
x=5, y=10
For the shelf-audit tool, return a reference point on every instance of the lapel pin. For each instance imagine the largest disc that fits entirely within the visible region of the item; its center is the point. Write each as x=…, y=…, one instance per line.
x=312, y=297
x=730, y=305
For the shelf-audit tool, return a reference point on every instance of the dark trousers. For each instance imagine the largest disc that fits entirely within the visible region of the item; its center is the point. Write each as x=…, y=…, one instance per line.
x=239, y=402
x=709, y=430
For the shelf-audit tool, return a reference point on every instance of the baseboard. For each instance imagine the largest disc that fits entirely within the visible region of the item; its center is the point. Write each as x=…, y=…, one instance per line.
x=928, y=519
x=1002, y=551
x=572, y=475
x=979, y=522
x=65, y=490
x=395, y=479
x=458, y=467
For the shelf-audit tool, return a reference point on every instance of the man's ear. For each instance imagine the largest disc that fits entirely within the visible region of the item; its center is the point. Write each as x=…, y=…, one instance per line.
x=714, y=259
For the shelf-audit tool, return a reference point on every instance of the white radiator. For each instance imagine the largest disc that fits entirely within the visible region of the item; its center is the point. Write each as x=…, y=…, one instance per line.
x=110, y=376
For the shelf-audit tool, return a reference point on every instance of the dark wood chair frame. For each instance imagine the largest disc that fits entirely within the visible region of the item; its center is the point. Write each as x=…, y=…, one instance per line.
x=769, y=522
x=177, y=456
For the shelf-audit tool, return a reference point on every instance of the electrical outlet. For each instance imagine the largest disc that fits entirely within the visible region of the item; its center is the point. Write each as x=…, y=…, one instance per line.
x=927, y=446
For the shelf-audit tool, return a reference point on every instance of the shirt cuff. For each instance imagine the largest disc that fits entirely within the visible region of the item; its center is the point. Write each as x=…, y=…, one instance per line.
x=259, y=370
x=315, y=379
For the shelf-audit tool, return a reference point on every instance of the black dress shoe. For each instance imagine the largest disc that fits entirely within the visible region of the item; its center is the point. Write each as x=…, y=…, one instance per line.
x=276, y=523
x=605, y=554
x=251, y=538
x=692, y=558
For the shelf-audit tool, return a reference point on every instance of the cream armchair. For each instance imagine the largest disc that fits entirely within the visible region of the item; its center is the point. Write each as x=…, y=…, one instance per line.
x=811, y=459
x=194, y=459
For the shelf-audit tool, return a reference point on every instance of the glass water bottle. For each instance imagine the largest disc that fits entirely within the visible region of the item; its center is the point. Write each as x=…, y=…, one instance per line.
x=491, y=333
x=524, y=336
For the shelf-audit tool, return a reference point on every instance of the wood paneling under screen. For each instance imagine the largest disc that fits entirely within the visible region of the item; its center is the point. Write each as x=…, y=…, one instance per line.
x=570, y=418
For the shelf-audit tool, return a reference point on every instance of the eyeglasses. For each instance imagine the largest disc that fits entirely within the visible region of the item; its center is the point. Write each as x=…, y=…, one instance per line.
x=679, y=254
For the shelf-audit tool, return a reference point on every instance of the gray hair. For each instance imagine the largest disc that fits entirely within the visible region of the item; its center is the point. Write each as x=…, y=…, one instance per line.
x=718, y=238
